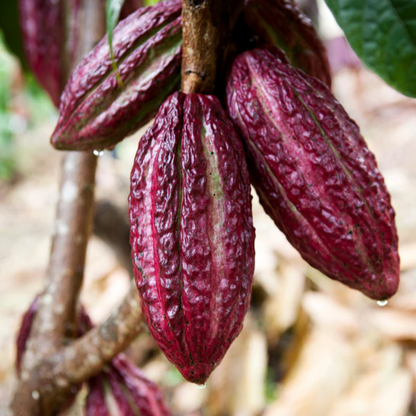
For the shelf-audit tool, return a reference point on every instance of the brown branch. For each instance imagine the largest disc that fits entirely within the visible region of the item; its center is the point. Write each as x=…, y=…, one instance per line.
x=86, y=356
x=56, y=315
x=66, y=267
x=207, y=31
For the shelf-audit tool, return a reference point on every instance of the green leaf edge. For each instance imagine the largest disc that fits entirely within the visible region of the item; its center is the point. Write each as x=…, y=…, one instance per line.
x=112, y=14
x=334, y=6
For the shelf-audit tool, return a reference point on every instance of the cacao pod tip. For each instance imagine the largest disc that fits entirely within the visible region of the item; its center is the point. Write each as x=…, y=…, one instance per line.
x=382, y=288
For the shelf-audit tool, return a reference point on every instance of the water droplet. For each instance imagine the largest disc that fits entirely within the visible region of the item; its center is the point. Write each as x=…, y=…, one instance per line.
x=382, y=302
x=201, y=386
x=98, y=152
x=35, y=395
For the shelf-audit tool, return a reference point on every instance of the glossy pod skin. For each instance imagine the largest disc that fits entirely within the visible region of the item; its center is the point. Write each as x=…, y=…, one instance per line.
x=191, y=232
x=314, y=173
x=282, y=23
x=95, y=111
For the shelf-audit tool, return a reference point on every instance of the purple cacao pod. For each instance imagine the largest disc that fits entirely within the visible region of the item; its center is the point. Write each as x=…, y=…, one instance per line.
x=283, y=24
x=124, y=390
x=191, y=232
x=96, y=111
x=48, y=47
x=314, y=173
x=129, y=7
x=24, y=332
x=96, y=404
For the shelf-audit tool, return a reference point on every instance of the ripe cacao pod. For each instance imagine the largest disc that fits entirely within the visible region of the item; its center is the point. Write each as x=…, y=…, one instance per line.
x=314, y=173
x=191, y=232
x=51, y=32
x=123, y=390
x=96, y=111
x=283, y=24
x=24, y=333
x=48, y=47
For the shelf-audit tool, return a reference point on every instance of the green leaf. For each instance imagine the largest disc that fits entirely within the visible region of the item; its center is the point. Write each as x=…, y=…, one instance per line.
x=113, y=9
x=383, y=34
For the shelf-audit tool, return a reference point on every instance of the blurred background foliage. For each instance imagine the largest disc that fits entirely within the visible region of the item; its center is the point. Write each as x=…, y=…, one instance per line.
x=22, y=102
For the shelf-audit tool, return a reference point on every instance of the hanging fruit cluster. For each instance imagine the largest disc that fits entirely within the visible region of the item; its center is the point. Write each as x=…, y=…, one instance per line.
x=190, y=207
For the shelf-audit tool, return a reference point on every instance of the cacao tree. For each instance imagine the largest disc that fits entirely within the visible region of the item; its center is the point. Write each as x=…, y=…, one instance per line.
x=240, y=93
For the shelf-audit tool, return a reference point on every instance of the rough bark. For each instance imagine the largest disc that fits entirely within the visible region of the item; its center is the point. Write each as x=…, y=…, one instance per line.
x=207, y=32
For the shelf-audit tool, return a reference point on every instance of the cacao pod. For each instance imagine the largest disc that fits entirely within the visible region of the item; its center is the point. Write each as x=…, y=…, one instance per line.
x=96, y=111
x=191, y=232
x=24, y=332
x=124, y=390
x=283, y=24
x=314, y=173
x=51, y=32
x=48, y=48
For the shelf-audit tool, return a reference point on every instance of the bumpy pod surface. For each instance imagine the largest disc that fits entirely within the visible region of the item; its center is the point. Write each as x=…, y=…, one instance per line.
x=313, y=172
x=124, y=390
x=96, y=111
x=283, y=24
x=191, y=232
x=51, y=32
x=48, y=48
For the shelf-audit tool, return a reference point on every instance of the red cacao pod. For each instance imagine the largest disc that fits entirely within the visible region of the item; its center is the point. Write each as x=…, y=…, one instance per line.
x=314, y=173
x=191, y=232
x=51, y=32
x=48, y=46
x=24, y=332
x=96, y=111
x=123, y=390
x=283, y=24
